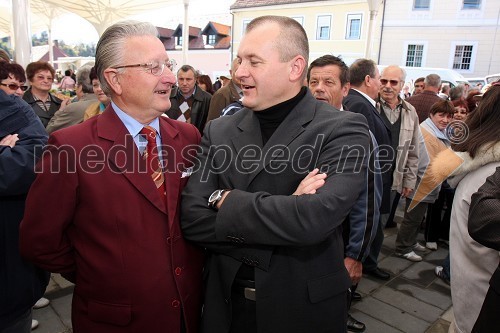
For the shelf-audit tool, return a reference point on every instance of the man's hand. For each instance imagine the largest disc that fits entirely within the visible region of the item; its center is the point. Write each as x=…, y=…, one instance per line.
x=313, y=181
x=64, y=103
x=9, y=140
x=224, y=195
x=354, y=268
x=406, y=192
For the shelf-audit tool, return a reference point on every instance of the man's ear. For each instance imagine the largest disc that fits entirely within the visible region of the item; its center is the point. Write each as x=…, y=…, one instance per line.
x=113, y=80
x=297, y=67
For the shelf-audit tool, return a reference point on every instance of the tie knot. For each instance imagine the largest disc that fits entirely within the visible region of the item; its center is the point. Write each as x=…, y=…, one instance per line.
x=149, y=132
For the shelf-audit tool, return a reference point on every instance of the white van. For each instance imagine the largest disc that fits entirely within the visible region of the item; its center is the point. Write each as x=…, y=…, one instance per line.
x=474, y=81
x=492, y=78
x=449, y=76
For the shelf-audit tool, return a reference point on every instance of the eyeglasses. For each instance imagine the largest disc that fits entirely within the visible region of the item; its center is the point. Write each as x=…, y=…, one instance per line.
x=154, y=67
x=393, y=82
x=14, y=86
x=41, y=78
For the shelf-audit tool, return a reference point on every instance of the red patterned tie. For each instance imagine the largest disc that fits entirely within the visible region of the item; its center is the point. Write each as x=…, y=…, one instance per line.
x=152, y=160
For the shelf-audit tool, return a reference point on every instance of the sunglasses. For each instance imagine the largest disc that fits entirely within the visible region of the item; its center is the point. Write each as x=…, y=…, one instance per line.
x=14, y=86
x=392, y=82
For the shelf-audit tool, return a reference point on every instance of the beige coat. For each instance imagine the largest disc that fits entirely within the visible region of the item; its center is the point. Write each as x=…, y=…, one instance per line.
x=405, y=173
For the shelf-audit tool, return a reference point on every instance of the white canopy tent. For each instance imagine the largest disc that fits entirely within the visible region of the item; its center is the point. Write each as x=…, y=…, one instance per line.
x=100, y=13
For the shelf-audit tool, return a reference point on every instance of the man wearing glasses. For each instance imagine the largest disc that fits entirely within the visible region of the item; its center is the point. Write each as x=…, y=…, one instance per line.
x=402, y=119
x=111, y=224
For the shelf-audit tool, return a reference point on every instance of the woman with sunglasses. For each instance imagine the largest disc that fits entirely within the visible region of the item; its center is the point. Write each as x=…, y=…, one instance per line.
x=22, y=136
x=12, y=79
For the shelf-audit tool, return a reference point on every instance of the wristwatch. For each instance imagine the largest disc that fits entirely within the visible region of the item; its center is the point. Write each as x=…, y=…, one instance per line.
x=214, y=198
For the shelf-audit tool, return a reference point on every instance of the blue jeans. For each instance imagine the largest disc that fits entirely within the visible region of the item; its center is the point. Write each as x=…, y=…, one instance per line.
x=21, y=325
x=446, y=267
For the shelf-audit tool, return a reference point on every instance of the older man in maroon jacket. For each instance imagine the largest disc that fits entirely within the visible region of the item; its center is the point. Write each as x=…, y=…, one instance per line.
x=104, y=208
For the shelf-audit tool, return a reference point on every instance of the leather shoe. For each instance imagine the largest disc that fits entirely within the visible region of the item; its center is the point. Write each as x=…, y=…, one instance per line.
x=355, y=297
x=378, y=274
x=354, y=325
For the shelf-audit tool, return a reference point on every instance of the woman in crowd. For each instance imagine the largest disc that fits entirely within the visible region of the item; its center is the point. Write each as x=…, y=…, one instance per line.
x=41, y=76
x=432, y=132
x=21, y=139
x=472, y=161
x=96, y=108
x=461, y=109
x=67, y=82
x=205, y=83
x=484, y=228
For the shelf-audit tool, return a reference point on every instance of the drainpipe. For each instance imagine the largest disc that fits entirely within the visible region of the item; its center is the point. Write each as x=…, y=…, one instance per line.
x=381, y=33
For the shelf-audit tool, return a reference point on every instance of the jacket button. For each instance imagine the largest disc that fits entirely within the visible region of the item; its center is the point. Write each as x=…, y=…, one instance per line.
x=226, y=300
x=169, y=240
x=176, y=303
x=178, y=271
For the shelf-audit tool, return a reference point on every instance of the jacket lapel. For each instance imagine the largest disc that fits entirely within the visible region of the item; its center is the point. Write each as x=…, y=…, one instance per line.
x=172, y=147
x=291, y=128
x=124, y=158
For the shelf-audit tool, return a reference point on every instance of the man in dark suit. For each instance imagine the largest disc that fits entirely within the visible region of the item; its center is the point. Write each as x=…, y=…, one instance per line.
x=112, y=222
x=189, y=102
x=365, y=85
x=270, y=219
x=328, y=78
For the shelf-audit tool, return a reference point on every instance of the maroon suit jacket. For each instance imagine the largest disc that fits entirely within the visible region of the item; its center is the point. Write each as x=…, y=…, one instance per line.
x=95, y=214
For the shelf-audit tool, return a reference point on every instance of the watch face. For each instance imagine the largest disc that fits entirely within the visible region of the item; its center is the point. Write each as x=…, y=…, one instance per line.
x=214, y=196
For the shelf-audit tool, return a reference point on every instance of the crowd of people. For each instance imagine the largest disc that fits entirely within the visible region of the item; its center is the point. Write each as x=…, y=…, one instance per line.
x=257, y=206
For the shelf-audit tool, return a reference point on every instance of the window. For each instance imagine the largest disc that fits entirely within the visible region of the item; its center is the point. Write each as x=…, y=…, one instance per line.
x=179, y=41
x=472, y=4
x=323, y=27
x=414, y=55
x=299, y=19
x=421, y=4
x=244, y=27
x=353, y=26
x=210, y=39
x=463, y=57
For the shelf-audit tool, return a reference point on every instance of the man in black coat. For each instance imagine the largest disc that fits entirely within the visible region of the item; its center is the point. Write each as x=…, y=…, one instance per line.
x=189, y=102
x=365, y=84
x=268, y=195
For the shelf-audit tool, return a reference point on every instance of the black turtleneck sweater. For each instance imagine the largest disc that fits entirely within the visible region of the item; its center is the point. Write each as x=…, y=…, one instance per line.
x=269, y=120
x=272, y=117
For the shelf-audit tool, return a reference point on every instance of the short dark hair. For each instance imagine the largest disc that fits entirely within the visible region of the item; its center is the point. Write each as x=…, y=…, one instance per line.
x=67, y=72
x=327, y=60
x=38, y=66
x=93, y=74
x=483, y=123
x=187, y=68
x=360, y=69
x=12, y=69
x=442, y=106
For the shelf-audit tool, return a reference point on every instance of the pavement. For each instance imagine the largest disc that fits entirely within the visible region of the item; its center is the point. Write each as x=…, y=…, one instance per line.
x=414, y=300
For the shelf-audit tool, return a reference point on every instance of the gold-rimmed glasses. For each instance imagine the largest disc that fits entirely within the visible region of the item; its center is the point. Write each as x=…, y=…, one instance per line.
x=156, y=68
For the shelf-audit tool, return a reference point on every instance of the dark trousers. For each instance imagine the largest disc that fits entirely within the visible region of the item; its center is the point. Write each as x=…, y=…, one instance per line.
x=371, y=260
x=244, y=315
x=437, y=225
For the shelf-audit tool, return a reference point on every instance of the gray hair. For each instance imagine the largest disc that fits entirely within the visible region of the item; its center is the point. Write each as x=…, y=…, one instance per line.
x=292, y=40
x=403, y=72
x=432, y=80
x=109, y=50
x=83, y=79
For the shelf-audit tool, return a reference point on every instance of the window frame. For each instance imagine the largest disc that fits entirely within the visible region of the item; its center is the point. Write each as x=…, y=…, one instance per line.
x=473, y=56
x=422, y=8
x=350, y=18
x=470, y=5
x=319, y=29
